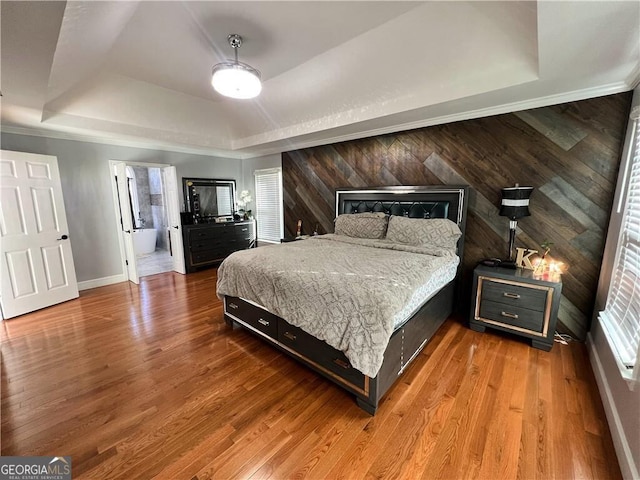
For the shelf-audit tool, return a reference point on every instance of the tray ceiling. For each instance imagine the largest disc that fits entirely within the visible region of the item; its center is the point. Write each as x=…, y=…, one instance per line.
x=139, y=72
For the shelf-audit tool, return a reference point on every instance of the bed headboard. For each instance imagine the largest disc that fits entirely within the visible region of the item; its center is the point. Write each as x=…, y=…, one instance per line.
x=437, y=201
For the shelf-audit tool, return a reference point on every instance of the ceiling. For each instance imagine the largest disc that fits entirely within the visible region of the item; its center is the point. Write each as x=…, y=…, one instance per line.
x=138, y=73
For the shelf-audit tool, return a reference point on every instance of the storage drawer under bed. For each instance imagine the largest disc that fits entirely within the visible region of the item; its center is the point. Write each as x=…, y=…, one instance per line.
x=297, y=342
x=319, y=352
x=253, y=315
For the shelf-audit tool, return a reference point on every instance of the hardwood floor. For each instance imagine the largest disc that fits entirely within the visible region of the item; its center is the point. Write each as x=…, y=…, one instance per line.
x=148, y=382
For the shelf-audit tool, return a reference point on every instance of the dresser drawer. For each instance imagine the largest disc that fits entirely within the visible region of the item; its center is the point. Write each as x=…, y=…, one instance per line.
x=514, y=316
x=212, y=231
x=207, y=256
x=319, y=353
x=243, y=231
x=514, y=295
x=252, y=315
x=199, y=245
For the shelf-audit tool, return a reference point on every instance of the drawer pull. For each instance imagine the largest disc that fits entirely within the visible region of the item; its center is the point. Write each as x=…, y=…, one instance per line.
x=509, y=315
x=511, y=295
x=264, y=322
x=289, y=335
x=232, y=305
x=341, y=363
x=244, y=229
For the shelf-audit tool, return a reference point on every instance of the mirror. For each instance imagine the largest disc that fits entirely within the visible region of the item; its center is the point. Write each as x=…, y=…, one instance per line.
x=209, y=198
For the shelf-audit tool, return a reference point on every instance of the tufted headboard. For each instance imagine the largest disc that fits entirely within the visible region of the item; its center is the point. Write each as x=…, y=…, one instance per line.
x=437, y=201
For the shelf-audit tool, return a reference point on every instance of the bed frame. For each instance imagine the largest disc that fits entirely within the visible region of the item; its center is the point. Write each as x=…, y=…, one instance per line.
x=408, y=340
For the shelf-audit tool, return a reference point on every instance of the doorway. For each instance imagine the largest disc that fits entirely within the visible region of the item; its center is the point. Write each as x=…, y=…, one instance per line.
x=148, y=210
x=146, y=189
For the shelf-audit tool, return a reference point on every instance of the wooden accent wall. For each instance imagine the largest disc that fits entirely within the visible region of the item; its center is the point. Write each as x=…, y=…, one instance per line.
x=569, y=153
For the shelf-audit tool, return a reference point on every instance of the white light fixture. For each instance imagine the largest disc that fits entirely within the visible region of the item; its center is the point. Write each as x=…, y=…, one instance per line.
x=236, y=79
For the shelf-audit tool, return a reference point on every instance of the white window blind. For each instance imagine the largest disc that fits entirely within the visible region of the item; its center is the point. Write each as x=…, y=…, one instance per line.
x=223, y=198
x=621, y=316
x=269, y=205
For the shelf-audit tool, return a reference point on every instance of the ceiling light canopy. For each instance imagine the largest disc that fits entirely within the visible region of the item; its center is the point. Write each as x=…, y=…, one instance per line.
x=233, y=78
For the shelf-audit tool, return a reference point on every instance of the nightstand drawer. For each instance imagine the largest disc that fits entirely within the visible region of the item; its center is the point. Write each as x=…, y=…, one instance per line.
x=509, y=315
x=514, y=295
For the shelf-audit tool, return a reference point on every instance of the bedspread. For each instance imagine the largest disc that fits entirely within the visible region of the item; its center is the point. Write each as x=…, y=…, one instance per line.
x=342, y=290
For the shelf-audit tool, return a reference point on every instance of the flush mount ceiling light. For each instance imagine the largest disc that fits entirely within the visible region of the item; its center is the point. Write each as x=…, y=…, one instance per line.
x=236, y=79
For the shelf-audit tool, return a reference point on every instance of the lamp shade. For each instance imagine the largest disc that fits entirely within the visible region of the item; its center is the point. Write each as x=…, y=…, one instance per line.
x=236, y=80
x=515, y=202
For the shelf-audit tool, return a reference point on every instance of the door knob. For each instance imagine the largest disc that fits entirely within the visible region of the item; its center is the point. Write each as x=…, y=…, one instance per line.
x=63, y=237
x=127, y=231
x=176, y=227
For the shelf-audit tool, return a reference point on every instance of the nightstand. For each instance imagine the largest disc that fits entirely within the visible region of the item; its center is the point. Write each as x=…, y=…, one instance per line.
x=513, y=301
x=293, y=239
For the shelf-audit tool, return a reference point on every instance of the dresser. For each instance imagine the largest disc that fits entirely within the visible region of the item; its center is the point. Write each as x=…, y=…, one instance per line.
x=209, y=243
x=512, y=300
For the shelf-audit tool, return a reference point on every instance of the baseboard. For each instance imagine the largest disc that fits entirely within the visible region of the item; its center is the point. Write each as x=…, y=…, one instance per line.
x=623, y=451
x=101, y=282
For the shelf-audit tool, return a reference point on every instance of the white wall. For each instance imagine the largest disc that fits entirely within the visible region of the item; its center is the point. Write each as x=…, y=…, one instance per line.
x=86, y=186
x=622, y=405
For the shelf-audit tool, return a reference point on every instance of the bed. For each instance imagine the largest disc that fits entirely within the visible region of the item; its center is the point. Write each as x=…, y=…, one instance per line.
x=359, y=305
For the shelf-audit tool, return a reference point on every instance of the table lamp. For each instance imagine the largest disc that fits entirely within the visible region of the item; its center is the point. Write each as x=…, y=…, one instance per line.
x=515, y=205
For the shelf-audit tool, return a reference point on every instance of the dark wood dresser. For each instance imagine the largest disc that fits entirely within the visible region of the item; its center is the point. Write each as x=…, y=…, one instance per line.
x=516, y=302
x=206, y=244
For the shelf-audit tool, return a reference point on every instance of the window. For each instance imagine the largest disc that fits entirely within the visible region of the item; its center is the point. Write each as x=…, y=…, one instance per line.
x=223, y=200
x=269, y=205
x=621, y=316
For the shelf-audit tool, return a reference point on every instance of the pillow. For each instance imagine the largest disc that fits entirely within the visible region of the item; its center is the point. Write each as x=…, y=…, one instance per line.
x=435, y=232
x=362, y=225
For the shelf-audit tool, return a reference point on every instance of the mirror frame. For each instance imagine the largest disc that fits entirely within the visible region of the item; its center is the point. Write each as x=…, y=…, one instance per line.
x=207, y=182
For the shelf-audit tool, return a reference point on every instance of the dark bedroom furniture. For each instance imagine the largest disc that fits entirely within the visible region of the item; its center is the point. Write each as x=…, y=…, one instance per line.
x=512, y=300
x=407, y=339
x=208, y=199
x=293, y=239
x=206, y=244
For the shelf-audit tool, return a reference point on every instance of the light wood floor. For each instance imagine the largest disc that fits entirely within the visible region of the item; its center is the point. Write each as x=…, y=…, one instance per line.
x=148, y=382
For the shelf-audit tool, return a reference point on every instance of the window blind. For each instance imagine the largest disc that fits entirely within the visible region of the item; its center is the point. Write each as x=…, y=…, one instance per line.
x=621, y=317
x=269, y=205
x=223, y=199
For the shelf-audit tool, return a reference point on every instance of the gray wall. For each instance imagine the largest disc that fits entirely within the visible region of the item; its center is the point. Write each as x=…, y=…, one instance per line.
x=88, y=198
x=249, y=166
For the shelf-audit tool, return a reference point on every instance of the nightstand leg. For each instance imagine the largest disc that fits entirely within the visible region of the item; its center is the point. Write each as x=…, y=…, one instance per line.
x=476, y=327
x=541, y=345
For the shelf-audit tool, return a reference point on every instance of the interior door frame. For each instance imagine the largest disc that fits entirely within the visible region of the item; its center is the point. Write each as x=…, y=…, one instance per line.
x=116, y=204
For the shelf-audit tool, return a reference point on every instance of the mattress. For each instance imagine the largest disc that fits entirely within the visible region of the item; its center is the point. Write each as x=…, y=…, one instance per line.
x=440, y=277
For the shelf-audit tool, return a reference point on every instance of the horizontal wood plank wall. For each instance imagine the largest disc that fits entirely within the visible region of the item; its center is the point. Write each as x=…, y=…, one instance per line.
x=569, y=153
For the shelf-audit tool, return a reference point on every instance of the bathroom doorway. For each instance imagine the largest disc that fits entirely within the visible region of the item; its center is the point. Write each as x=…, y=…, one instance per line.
x=150, y=224
x=144, y=195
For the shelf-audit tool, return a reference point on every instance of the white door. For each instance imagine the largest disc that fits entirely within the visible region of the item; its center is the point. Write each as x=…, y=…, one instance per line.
x=173, y=216
x=37, y=265
x=126, y=221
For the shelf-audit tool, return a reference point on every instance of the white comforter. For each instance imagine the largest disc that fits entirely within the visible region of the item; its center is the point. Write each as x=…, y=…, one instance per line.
x=342, y=290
